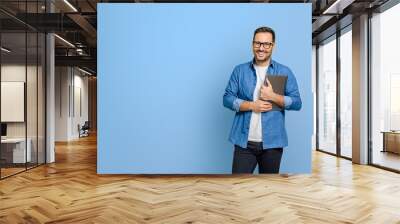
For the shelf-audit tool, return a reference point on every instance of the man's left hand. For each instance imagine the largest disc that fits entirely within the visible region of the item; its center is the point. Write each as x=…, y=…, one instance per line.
x=267, y=92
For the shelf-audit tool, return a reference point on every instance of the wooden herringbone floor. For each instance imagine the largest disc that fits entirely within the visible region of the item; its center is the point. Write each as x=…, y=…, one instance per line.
x=70, y=191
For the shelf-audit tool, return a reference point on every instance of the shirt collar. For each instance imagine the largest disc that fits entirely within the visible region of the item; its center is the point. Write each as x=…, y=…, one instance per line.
x=271, y=63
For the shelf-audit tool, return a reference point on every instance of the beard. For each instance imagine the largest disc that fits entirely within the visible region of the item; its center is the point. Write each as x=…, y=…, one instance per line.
x=262, y=58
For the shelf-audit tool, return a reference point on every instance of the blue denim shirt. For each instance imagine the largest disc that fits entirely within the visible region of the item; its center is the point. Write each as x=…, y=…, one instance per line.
x=241, y=87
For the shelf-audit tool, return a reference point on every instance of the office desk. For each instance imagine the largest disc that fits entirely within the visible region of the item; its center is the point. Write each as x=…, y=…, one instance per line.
x=13, y=150
x=391, y=141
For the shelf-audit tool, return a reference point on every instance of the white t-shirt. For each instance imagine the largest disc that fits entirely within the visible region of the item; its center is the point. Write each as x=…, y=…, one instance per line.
x=255, y=130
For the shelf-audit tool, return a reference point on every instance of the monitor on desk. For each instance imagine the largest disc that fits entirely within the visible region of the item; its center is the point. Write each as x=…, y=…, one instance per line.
x=3, y=130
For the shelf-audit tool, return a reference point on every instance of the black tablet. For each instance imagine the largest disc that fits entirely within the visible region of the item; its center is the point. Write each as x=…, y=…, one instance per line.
x=278, y=83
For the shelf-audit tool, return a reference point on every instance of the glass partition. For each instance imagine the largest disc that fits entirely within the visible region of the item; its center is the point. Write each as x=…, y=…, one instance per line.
x=22, y=77
x=14, y=154
x=327, y=95
x=41, y=91
x=346, y=93
x=32, y=95
x=385, y=89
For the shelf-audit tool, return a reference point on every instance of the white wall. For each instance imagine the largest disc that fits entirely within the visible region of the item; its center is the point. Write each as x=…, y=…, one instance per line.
x=12, y=73
x=16, y=72
x=71, y=87
x=62, y=81
x=33, y=126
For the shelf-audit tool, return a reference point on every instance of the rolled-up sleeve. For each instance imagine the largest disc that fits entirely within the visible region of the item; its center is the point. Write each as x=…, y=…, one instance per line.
x=292, y=97
x=236, y=104
x=230, y=98
x=287, y=101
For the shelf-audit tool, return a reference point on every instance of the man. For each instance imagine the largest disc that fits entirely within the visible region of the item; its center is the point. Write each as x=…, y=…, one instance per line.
x=259, y=134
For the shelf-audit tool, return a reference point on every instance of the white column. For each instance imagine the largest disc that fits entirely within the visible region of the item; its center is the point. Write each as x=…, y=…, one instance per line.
x=50, y=92
x=360, y=90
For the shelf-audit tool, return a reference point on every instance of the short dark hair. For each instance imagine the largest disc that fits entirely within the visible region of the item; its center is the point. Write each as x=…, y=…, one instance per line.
x=265, y=29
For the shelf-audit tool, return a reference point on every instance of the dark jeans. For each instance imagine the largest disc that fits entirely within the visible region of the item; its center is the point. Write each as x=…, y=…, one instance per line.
x=245, y=160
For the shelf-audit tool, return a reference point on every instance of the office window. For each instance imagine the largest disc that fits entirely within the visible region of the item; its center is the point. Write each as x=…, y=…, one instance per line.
x=346, y=92
x=327, y=95
x=385, y=85
x=314, y=91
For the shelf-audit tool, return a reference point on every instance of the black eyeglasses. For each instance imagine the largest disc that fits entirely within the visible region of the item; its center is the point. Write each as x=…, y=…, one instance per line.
x=266, y=45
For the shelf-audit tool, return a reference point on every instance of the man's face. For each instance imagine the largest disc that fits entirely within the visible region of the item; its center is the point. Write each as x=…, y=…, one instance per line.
x=262, y=46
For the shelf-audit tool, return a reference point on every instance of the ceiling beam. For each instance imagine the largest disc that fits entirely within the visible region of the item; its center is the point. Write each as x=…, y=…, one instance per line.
x=83, y=61
x=337, y=6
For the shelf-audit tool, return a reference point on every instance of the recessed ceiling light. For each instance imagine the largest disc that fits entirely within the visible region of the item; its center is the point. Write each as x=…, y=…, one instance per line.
x=64, y=40
x=84, y=71
x=70, y=5
x=5, y=50
x=338, y=6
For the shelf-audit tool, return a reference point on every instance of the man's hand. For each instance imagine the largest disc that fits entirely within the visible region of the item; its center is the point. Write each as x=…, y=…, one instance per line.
x=261, y=106
x=267, y=92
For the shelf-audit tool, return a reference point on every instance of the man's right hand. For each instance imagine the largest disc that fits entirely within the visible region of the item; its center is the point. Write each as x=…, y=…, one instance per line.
x=261, y=106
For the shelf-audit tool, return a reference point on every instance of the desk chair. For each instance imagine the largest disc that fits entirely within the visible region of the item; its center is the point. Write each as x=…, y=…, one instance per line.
x=84, y=130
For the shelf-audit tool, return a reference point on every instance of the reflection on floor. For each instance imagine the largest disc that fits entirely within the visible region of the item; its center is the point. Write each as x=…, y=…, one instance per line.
x=386, y=159
x=10, y=169
x=346, y=152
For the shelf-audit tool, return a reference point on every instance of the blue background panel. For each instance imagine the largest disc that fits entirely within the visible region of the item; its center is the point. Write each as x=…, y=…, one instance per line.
x=162, y=71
